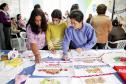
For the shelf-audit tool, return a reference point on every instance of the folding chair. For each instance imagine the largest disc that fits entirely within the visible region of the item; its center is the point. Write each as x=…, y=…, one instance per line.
x=120, y=44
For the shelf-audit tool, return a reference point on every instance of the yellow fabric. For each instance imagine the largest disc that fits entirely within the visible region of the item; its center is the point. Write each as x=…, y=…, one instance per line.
x=55, y=35
x=14, y=62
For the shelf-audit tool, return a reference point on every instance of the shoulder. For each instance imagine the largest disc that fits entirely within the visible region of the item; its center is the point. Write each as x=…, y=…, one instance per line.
x=88, y=26
x=63, y=24
x=70, y=29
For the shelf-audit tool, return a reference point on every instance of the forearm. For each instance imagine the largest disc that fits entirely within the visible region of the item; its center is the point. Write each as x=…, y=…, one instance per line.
x=35, y=49
x=65, y=47
x=88, y=45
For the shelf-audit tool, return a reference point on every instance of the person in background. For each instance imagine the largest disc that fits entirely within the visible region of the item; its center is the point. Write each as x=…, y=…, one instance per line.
x=21, y=23
x=2, y=38
x=74, y=7
x=37, y=6
x=6, y=22
x=116, y=34
x=47, y=17
x=89, y=18
x=14, y=27
x=102, y=25
x=66, y=17
x=36, y=29
x=81, y=35
x=55, y=31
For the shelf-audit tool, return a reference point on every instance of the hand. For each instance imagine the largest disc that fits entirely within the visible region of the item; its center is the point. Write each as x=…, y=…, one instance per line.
x=53, y=51
x=37, y=58
x=79, y=50
x=65, y=58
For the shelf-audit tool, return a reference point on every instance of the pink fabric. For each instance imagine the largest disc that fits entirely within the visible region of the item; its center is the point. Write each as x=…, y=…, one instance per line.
x=39, y=39
x=20, y=78
x=21, y=23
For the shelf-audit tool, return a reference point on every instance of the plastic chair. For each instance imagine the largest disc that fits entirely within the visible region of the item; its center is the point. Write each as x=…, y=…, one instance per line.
x=16, y=42
x=23, y=40
x=120, y=44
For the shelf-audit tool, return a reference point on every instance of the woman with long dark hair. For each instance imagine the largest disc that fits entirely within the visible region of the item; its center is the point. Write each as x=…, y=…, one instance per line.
x=36, y=29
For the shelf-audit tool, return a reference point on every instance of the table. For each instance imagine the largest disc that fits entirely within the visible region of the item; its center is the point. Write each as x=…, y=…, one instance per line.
x=28, y=65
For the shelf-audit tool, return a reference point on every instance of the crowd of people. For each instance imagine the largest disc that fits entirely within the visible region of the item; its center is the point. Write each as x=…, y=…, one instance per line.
x=63, y=32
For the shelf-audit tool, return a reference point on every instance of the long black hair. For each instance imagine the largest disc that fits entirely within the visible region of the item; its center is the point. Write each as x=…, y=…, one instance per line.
x=3, y=5
x=35, y=28
x=18, y=16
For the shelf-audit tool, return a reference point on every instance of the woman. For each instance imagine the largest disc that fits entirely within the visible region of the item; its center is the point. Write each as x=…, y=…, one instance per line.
x=6, y=21
x=80, y=35
x=36, y=29
x=14, y=27
x=21, y=23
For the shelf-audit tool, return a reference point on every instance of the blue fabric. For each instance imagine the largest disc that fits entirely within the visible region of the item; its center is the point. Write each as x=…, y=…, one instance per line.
x=81, y=38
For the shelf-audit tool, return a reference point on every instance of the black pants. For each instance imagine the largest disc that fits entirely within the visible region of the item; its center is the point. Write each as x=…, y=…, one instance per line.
x=2, y=38
x=7, y=31
x=99, y=46
x=125, y=47
x=45, y=48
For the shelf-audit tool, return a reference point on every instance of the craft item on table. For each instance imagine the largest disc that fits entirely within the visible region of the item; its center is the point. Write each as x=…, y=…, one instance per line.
x=89, y=61
x=4, y=57
x=115, y=58
x=14, y=62
x=13, y=54
x=94, y=70
x=121, y=71
x=92, y=80
x=20, y=78
x=53, y=69
x=50, y=81
x=84, y=54
x=120, y=59
x=102, y=79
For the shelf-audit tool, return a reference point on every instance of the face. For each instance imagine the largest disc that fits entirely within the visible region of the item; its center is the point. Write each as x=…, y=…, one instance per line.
x=76, y=24
x=14, y=20
x=56, y=20
x=38, y=20
x=19, y=16
x=6, y=8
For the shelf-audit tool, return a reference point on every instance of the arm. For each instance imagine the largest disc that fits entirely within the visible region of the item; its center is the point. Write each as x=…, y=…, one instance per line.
x=5, y=19
x=48, y=38
x=66, y=41
x=33, y=44
x=36, y=52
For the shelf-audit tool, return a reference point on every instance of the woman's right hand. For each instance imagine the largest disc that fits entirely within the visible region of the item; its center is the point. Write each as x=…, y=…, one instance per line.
x=65, y=58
